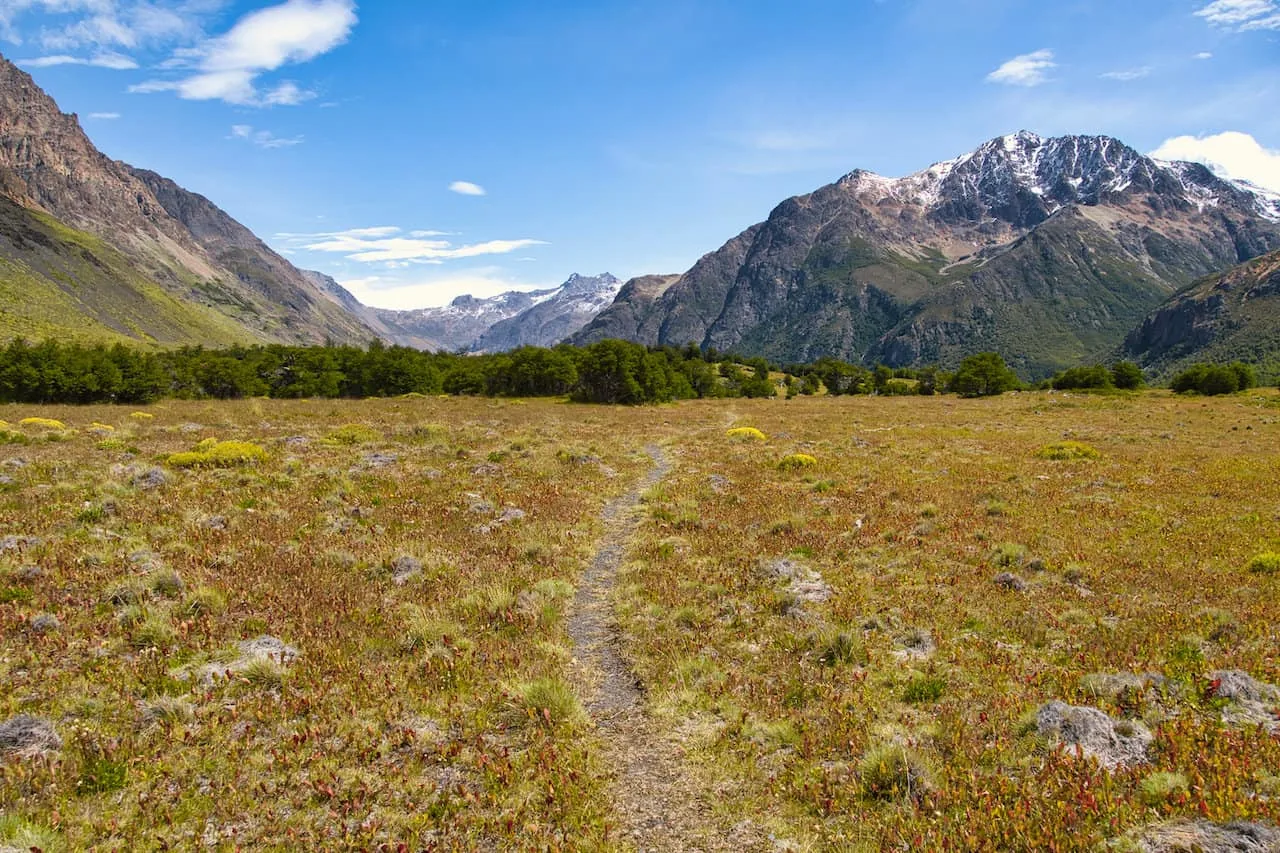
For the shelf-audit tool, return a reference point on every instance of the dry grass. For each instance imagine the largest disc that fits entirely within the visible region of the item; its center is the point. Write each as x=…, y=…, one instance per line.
x=891, y=713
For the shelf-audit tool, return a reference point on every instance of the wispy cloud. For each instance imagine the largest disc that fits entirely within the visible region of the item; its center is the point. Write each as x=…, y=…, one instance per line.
x=1243, y=15
x=73, y=25
x=407, y=294
x=104, y=116
x=390, y=245
x=113, y=61
x=228, y=67
x=263, y=138
x=1231, y=154
x=1029, y=69
x=1204, y=54
x=1128, y=74
x=466, y=188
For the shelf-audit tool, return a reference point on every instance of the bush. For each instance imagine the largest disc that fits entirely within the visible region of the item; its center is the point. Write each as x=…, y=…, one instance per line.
x=1127, y=376
x=1215, y=379
x=43, y=423
x=351, y=434
x=746, y=434
x=1265, y=564
x=796, y=461
x=1068, y=451
x=219, y=454
x=924, y=688
x=1162, y=787
x=1083, y=378
x=891, y=772
x=547, y=702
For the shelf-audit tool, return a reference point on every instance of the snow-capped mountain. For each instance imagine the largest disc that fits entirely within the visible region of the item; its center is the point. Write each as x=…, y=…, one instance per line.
x=535, y=317
x=1047, y=249
x=553, y=317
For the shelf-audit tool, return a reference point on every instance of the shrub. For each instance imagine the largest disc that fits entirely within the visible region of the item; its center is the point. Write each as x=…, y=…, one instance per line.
x=43, y=423
x=891, y=771
x=1162, y=787
x=142, y=416
x=797, y=461
x=1265, y=564
x=1215, y=379
x=547, y=702
x=924, y=688
x=1009, y=555
x=1127, y=376
x=1083, y=378
x=219, y=454
x=11, y=437
x=350, y=434
x=1068, y=451
x=746, y=434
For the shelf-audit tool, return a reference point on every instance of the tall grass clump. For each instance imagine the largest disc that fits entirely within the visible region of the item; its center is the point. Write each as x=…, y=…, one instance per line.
x=892, y=772
x=1267, y=563
x=547, y=702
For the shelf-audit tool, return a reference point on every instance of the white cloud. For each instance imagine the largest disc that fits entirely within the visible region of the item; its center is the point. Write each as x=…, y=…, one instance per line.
x=113, y=61
x=227, y=68
x=1204, y=54
x=1243, y=15
x=69, y=25
x=397, y=293
x=1029, y=69
x=386, y=245
x=466, y=188
x=104, y=116
x=1232, y=155
x=1129, y=74
x=263, y=138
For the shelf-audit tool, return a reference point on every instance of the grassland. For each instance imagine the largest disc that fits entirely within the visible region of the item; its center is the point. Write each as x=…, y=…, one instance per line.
x=823, y=644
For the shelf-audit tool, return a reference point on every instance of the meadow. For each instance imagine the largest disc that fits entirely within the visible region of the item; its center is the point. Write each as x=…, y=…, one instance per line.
x=282, y=625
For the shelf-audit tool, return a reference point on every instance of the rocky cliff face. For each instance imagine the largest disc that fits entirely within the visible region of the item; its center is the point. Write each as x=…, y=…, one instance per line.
x=1221, y=318
x=553, y=318
x=1048, y=250
x=177, y=245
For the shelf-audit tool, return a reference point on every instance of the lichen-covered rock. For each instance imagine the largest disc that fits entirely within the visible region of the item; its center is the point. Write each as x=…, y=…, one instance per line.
x=804, y=584
x=1250, y=702
x=1185, y=836
x=150, y=479
x=1113, y=743
x=28, y=735
x=405, y=568
x=45, y=623
x=1009, y=581
x=13, y=543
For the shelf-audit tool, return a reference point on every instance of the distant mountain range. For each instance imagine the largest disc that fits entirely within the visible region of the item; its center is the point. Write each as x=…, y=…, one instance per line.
x=467, y=324
x=1050, y=251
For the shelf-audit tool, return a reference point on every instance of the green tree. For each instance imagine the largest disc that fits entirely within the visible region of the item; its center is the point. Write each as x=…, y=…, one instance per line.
x=983, y=375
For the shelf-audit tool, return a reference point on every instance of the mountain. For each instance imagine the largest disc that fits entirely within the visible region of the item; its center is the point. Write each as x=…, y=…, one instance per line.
x=94, y=248
x=1224, y=317
x=509, y=320
x=554, y=317
x=1047, y=250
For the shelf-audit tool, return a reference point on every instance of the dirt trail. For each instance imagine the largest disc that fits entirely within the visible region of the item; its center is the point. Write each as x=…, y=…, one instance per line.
x=657, y=804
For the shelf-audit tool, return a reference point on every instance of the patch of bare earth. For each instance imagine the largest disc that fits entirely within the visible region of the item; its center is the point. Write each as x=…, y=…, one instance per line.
x=658, y=805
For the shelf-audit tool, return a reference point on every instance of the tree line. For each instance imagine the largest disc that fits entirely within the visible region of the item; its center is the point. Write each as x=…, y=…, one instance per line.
x=611, y=371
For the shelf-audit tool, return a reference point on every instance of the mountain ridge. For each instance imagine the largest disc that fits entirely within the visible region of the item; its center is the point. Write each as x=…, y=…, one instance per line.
x=1084, y=233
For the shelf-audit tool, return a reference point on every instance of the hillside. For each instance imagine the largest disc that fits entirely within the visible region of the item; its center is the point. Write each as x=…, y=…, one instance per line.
x=1221, y=318
x=97, y=249
x=1047, y=250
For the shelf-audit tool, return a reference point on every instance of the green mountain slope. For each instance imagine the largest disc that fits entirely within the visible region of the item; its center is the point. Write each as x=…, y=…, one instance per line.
x=1224, y=317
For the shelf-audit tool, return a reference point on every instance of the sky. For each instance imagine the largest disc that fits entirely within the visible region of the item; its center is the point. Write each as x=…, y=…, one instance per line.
x=416, y=150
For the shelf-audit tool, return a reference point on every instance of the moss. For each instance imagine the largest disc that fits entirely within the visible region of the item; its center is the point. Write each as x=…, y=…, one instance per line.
x=219, y=454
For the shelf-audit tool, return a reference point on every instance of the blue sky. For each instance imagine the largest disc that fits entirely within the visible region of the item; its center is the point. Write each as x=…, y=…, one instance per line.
x=418, y=150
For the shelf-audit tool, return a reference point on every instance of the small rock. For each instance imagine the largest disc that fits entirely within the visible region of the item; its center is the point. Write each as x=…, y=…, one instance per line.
x=803, y=583
x=297, y=441
x=150, y=479
x=1113, y=743
x=6, y=480
x=1113, y=685
x=719, y=484
x=1200, y=835
x=405, y=568
x=17, y=463
x=1009, y=581
x=509, y=515
x=377, y=461
x=45, y=623
x=1252, y=702
x=477, y=504
x=28, y=573
x=189, y=427
x=268, y=647
x=486, y=469
x=916, y=644
x=216, y=522
x=18, y=543
x=28, y=735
